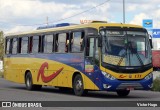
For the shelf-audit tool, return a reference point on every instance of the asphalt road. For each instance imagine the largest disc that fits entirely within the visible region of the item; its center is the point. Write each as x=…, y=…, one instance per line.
x=10, y=91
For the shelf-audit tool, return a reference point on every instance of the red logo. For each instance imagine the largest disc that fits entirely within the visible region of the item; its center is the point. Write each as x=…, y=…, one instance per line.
x=122, y=76
x=47, y=78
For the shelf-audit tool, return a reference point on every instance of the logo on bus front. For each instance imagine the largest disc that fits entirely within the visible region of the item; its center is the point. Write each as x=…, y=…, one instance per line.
x=130, y=76
x=122, y=76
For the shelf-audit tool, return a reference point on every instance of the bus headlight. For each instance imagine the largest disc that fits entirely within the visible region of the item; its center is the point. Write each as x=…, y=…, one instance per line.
x=108, y=76
x=149, y=76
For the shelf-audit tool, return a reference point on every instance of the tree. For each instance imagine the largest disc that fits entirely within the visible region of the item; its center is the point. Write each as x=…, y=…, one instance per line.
x=1, y=45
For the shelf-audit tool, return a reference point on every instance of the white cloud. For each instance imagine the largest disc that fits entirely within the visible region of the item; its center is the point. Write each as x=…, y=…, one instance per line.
x=16, y=13
x=19, y=29
x=132, y=7
x=138, y=19
x=25, y=12
x=147, y=10
x=31, y=9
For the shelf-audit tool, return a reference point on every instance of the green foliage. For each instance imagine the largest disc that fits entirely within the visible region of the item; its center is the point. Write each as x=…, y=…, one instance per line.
x=156, y=84
x=1, y=45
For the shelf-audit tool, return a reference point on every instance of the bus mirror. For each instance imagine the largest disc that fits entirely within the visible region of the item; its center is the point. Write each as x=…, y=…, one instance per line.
x=99, y=42
x=150, y=41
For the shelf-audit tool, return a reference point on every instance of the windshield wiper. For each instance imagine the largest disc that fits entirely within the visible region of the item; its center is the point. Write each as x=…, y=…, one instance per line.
x=123, y=55
x=105, y=43
x=140, y=60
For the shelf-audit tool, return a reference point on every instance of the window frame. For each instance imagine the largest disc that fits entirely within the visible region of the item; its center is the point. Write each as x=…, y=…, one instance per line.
x=19, y=45
x=30, y=44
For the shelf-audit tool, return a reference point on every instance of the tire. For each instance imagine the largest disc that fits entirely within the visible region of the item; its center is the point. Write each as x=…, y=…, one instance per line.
x=123, y=93
x=78, y=86
x=29, y=83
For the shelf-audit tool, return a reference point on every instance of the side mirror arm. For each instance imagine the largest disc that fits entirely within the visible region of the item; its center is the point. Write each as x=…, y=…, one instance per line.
x=150, y=41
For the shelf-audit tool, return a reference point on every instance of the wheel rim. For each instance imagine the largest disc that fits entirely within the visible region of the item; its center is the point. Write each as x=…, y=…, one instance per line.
x=79, y=85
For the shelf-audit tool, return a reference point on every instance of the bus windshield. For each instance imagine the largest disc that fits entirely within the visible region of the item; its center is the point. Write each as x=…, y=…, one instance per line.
x=125, y=48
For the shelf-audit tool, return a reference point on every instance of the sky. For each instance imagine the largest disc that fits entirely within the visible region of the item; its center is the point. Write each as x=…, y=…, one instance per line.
x=25, y=15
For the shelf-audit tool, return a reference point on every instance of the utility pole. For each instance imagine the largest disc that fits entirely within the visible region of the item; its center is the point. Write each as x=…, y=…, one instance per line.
x=123, y=11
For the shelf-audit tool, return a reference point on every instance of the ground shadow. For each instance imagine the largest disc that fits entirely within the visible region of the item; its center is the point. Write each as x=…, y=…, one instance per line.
x=91, y=94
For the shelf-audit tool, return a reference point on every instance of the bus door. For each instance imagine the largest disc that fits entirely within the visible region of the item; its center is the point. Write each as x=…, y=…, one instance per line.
x=91, y=53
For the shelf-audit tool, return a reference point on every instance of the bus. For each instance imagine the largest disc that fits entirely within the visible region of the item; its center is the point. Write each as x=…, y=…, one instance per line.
x=98, y=56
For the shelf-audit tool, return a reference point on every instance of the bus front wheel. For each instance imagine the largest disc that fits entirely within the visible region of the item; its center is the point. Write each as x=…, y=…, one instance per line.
x=123, y=92
x=29, y=83
x=78, y=86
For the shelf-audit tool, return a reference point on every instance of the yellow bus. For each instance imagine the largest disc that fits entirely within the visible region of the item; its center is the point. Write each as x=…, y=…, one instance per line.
x=95, y=56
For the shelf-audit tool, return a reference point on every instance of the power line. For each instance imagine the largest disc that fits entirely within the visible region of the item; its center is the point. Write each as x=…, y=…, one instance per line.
x=69, y=16
x=80, y=12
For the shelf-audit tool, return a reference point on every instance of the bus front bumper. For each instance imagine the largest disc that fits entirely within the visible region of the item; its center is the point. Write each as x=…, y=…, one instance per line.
x=114, y=85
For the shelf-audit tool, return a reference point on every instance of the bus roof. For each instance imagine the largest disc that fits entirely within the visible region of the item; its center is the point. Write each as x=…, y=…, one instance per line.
x=79, y=26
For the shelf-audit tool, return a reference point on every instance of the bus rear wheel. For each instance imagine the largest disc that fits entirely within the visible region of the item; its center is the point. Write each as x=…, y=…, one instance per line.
x=78, y=86
x=29, y=83
x=123, y=92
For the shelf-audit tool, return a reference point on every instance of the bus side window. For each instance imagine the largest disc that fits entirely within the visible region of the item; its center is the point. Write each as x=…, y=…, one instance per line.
x=48, y=43
x=24, y=46
x=61, y=43
x=67, y=42
x=35, y=47
x=14, y=46
x=82, y=41
x=96, y=53
x=77, y=44
x=7, y=46
x=90, y=47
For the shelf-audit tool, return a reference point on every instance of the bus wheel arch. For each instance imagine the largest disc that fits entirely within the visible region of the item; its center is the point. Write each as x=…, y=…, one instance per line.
x=29, y=82
x=78, y=84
